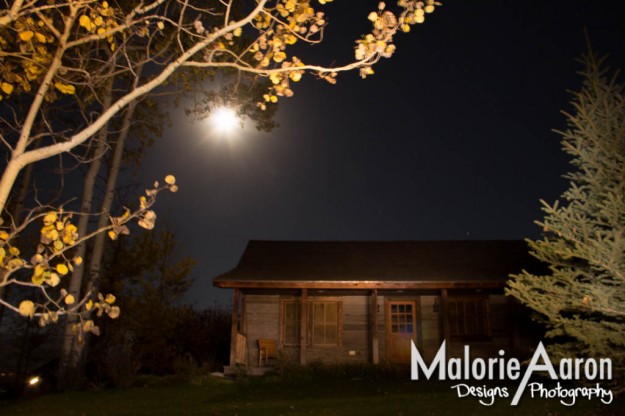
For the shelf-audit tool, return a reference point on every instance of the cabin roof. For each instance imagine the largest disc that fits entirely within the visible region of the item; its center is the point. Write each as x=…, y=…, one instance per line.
x=377, y=264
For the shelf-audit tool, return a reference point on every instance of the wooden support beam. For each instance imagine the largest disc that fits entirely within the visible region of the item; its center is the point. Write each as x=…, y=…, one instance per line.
x=357, y=285
x=234, y=328
x=375, y=345
x=303, y=329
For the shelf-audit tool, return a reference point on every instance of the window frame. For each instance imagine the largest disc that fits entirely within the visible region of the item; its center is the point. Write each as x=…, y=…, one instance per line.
x=475, y=327
x=310, y=322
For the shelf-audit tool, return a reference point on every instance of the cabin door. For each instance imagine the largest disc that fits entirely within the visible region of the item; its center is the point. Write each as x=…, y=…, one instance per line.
x=400, y=329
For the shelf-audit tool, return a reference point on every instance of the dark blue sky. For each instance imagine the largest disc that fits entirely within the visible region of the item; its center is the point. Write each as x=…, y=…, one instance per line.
x=450, y=139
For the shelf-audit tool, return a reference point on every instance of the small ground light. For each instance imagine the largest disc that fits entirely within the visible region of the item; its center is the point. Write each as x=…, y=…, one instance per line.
x=33, y=381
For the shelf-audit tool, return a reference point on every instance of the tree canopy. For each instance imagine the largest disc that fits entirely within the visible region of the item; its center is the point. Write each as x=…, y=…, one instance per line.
x=582, y=298
x=69, y=68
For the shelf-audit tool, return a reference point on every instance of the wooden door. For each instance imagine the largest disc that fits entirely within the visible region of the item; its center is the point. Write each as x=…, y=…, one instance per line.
x=400, y=329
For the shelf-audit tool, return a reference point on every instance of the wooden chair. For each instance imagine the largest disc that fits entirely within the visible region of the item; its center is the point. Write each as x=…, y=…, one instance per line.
x=266, y=350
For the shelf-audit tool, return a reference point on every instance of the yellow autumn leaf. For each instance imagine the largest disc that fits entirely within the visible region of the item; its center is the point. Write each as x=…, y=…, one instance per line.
x=275, y=78
x=27, y=308
x=53, y=280
x=15, y=263
x=88, y=325
x=77, y=260
x=50, y=218
x=40, y=37
x=114, y=312
x=160, y=25
x=37, y=279
x=279, y=57
x=62, y=269
x=6, y=88
x=27, y=35
x=295, y=76
x=71, y=230
x=65, y=88
x=68, y=239
x=89, y=305
x=69, y=299
x=38, y=271
x=112, y=235
x=110, y=299
x=85, y=22
x=49, y=232
x=237, y=31
x=4, y=235
x=58, y=245
x=170, y=179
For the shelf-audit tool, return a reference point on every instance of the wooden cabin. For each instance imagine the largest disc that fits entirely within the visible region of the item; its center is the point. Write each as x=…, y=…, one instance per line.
x=348, y=302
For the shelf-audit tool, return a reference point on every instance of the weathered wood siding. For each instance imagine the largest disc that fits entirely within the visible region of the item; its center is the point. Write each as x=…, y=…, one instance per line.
x=261, y=320
x=500, y=331
x=356, y=336
x=429, y=326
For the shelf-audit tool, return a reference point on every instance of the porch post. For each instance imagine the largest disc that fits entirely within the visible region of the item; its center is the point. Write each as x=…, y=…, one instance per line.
x=234, y=329
x=375, y=351
x=444, y=316
x=303, y=329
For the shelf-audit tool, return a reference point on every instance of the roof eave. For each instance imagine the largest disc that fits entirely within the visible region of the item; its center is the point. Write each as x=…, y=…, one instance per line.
x=362, y=284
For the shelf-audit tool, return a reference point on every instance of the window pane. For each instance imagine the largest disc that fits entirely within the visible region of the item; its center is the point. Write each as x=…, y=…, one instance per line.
x=331, y=312
x=331, y=335
x=468, y=317
x=325, y=323
x=318, y=312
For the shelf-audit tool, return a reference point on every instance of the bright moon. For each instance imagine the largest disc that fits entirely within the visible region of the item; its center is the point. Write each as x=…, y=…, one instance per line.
x=224, y=119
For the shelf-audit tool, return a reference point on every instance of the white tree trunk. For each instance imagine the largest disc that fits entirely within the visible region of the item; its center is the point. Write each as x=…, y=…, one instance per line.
x=68, y=359
x=75, y=350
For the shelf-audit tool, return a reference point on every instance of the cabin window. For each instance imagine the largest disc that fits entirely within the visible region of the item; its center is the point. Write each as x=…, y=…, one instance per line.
x=325, y=323
x=291, y=323
x=468, y=318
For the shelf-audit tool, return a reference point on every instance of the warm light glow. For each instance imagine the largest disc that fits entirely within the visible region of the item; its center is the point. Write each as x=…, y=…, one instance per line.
x=224, y=119
x=33, y=381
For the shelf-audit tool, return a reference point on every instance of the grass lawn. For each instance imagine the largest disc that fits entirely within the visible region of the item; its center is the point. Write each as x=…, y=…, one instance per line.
x=304, y=395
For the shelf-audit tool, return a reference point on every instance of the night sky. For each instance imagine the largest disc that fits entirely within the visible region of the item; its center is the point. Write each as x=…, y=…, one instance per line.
x=451, y=139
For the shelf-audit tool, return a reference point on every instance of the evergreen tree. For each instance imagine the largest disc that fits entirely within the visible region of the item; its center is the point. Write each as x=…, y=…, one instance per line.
x=582, y=298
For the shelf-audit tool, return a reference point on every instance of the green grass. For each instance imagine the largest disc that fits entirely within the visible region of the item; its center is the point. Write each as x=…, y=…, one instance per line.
x=295, y=395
